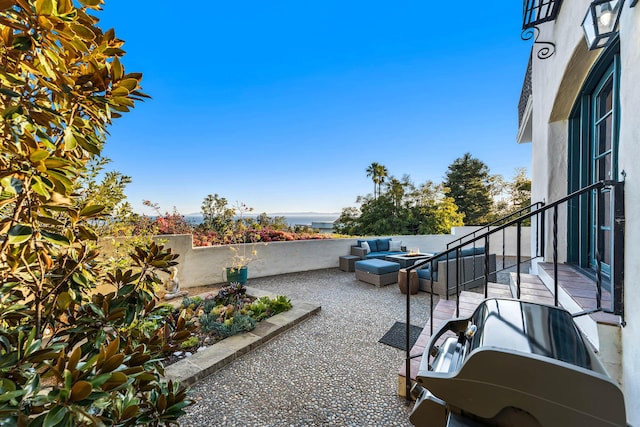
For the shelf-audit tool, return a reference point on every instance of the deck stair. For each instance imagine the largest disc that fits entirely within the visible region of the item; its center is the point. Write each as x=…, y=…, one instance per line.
x=532, y=289
x=444, y=311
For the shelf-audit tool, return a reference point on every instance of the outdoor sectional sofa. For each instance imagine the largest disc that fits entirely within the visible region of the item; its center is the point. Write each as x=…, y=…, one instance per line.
x=377, y=248
x=470, y=267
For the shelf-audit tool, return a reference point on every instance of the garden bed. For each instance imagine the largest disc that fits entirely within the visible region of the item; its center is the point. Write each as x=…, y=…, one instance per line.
x=218, y=315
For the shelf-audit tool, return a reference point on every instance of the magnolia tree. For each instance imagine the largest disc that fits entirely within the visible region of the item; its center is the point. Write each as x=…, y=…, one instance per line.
x=70, y=355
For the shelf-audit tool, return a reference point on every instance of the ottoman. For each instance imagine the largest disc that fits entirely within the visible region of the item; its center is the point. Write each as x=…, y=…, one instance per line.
x=347, y=262
x=377, y=272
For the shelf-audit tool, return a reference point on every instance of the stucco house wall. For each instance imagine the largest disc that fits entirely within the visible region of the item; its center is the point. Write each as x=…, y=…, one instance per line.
x=556, y=82
x=629, y=161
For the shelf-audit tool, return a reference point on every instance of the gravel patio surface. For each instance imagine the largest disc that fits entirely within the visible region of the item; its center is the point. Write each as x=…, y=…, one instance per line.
x=330, y=370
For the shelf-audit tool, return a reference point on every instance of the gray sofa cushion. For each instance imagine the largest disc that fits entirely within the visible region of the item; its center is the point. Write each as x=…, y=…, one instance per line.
x=383, y=244
x=452, y=255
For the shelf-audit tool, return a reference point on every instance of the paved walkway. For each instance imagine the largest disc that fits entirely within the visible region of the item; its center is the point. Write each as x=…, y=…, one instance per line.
x=329, y=370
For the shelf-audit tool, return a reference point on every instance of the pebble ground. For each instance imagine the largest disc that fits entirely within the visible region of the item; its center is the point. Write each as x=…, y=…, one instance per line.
x=328, y=371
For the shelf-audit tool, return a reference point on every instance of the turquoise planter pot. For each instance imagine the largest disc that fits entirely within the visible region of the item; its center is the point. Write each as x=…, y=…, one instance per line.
x=238, y=275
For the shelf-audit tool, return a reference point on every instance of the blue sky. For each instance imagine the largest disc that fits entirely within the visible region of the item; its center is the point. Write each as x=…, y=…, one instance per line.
x=282, y=105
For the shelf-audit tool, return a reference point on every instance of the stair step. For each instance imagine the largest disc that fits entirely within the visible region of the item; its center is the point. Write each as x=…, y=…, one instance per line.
x=531, y=289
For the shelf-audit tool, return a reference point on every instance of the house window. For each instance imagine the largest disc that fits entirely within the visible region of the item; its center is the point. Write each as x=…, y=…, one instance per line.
x=593, y=157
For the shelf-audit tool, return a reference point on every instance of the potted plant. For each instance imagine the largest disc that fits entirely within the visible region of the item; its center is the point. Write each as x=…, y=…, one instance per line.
x=242, y=240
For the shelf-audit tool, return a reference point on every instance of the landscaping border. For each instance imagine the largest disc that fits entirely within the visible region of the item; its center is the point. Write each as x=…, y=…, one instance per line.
x=205, y=362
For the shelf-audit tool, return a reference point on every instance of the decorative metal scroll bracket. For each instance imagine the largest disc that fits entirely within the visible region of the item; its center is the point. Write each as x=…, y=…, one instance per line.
x=547, y=49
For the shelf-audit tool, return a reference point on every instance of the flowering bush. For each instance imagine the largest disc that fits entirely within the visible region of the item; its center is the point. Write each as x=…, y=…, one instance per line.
x=245, y=230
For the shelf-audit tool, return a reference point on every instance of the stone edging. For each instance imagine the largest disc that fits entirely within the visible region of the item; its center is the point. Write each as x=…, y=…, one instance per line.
x=203, y=363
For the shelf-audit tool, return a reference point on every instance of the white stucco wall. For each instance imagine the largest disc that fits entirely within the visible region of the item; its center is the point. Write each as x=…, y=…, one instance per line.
x=510, y=239
x=553, y=95
x=205, y=265
x=629, y=161
x=555, y=84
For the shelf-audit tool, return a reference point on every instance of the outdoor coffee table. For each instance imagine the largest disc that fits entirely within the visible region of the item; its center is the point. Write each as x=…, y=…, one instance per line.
x=406, y=260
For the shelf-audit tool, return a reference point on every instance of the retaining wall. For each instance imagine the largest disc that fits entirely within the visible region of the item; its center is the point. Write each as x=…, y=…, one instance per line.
x=205, y=265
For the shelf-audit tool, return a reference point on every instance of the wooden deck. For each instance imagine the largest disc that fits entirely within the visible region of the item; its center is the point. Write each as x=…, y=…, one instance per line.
x=581, y=289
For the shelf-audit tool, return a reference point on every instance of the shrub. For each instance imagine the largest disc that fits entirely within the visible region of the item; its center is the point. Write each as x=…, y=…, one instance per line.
x=70, y=355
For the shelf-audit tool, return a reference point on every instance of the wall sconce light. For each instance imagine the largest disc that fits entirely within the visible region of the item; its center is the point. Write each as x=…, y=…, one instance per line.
x=601, y=21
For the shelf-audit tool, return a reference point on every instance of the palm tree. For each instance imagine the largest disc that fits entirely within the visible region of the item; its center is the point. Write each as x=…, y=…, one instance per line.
x=382, y=174
x=372, y=171
x=378, y=173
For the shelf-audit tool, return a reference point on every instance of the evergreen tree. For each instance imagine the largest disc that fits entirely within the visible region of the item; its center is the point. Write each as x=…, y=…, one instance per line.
x=468, y=183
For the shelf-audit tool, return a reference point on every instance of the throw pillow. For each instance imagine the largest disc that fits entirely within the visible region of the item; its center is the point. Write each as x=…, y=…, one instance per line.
x=395, y=246
x=366, y=247
x=373, y=245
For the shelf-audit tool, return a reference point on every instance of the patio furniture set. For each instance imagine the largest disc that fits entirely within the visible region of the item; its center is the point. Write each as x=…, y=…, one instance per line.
x=382, y=261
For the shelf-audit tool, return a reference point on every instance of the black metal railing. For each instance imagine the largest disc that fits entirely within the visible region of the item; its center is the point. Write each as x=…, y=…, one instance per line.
x=539, y=214
x=539, y=249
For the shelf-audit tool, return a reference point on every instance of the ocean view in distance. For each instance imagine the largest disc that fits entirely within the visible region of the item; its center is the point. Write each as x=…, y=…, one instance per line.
x=293, y=218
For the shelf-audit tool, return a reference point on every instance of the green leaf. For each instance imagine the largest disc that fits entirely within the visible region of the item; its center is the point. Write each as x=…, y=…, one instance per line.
x=130, y=84
x=40, y=187
x=100, y=379
x=80, y=279
x=126, y=290
x=64, y=300
x=61, y=178
x=39, y=155
x=10, y=111
x=91, y=210
x=91, y=3
x=83, y=32
x=86, y=233
x=55, y=162
x=55, y=416
x=54, y=238
x=120, y=91
x=88, y=146
x=22, y=43
x=70, y=141
x=19, y=234
x=9, y=92
x=116, y=69
x=7, y=385
x=11, y=185
x=44, y=7
x=50, y=221
x=7, y=396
